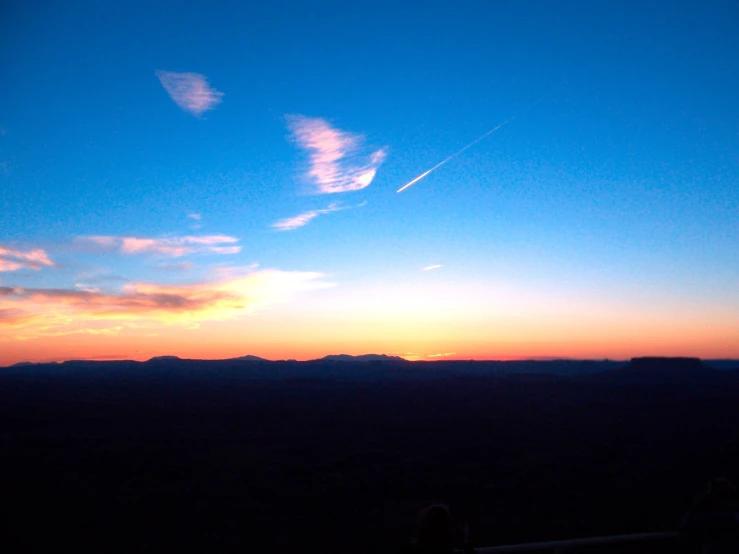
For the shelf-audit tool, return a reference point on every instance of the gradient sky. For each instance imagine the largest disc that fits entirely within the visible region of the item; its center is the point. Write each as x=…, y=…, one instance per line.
x=220, y=179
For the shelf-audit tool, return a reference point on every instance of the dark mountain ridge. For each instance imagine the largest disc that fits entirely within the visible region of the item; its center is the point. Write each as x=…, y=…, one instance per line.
x=361, y=358
x=380, y=367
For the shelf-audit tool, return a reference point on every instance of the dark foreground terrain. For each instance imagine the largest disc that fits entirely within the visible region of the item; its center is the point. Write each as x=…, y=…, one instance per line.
x=334, y=456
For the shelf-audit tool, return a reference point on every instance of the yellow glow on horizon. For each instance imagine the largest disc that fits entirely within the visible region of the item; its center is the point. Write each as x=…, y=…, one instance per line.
x=416, y=320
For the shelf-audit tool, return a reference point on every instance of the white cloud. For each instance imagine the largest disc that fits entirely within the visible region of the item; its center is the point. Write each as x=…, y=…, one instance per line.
x=196, y=220
x=336, y=162
x=431, y=267
x=190, y=91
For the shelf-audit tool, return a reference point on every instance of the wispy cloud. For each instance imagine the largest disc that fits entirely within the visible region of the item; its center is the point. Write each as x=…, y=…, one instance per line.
x=195, y=218
x=337, y=163
x=179, y=267
x=33, y=312
x=190, y=91
x=98, y=275
x=430, y=267
x=86, y=288
x=442, y=355
x=292, y=223
x=413, y=356
x=12, y=260
x=173, y=247
x=13, y=316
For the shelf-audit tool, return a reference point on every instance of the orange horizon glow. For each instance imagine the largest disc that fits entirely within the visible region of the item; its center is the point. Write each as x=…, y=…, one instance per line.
x=226, y=339
x=305, y=315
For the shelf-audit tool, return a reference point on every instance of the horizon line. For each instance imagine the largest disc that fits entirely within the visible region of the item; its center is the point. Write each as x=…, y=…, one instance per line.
x=427, y=359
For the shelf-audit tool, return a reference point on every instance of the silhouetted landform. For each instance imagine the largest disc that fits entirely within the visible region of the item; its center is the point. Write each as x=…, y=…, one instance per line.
x=394, y=367
x=722, y=364
x=234, y=455
x=371, y=367
x=250, y=358
x=362, y=358
x=668, y=371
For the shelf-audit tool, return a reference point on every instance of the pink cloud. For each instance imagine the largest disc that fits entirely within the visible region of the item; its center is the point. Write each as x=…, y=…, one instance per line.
x=190, y=91
x=335, y=165
x=13, y=316
x=292, y=223
x=12, y=260
x=210, y=239
x=166, y=247
x=173, y=247
x=106, y=241
x=33, y=312
x=226, y=250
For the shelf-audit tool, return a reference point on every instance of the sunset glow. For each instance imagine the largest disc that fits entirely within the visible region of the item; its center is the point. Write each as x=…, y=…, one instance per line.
x=236, y=193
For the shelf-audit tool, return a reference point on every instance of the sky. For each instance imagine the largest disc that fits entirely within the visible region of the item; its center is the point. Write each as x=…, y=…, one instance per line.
x=211, y=180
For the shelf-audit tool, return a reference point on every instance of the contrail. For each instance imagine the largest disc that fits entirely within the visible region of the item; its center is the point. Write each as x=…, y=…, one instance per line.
x=458, y=152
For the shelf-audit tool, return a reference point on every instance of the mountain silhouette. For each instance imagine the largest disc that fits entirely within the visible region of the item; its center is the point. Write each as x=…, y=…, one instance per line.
x=362, y=358
x=249, y=358
x=164, y=359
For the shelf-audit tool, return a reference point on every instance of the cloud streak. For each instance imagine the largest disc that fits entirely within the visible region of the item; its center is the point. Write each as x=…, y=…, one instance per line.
x=33, y=312
x=337, y=163
x=173, y=247
x=12, y=260
x=431, y=267
x=441, y=355
x=190, y=91
x=292, y=223
x=180, y=267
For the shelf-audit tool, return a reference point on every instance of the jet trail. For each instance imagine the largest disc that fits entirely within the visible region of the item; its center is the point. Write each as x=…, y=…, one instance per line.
x=457, y=153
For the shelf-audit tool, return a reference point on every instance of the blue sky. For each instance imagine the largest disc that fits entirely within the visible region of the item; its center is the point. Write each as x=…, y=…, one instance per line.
x=623, y=183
